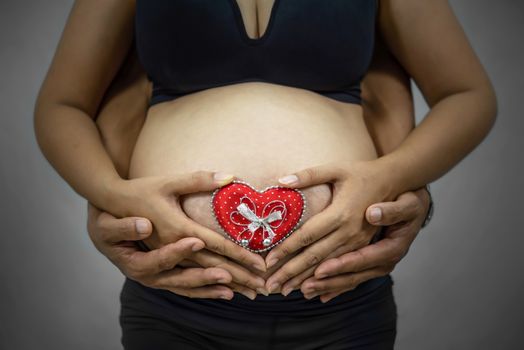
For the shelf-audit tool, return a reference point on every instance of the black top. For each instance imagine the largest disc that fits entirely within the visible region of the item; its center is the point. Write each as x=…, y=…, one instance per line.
x=319, y=45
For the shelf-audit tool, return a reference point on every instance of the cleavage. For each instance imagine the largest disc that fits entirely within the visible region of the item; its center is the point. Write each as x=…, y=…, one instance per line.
x=255, y=16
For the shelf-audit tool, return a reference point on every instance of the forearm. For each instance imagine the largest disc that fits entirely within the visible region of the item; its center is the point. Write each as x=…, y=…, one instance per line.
x=429, y=42
x=387, y=100
x=69, y=139
x=123, y=112
x=453, y=128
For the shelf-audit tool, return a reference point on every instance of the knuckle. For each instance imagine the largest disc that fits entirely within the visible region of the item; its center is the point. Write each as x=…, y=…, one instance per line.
x=309, y=174
x=135, y=270
x=125, y=227
x=231, y=248
x=197, y=177
x=217, y=245
x=312, y=259
x=164, y=263
x=286, y=275
x=180, y=283
x=148, y=282
x=342, y=217
x=351, y=281
x=395, y=257
x=306, y=239
x=395, y=213
x=284, y=249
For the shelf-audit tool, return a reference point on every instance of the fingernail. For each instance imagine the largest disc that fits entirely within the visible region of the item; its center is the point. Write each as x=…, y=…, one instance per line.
x=223, y=178
x=142, y=227
x=286, y=291
x=249, y=294
x=288, y=179
x=273, y=287
x=197, y=246
x=262, y=291
x=322, y=275
x=375, y=214
x=310, y=296
x=272, y=262
x=224, y=296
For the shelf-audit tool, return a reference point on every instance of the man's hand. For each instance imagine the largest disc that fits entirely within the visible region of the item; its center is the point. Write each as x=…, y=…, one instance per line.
x=403, y=219
x=115, y=238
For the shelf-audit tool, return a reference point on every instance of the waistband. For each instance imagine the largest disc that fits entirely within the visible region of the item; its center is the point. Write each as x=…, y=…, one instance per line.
x=273, y=304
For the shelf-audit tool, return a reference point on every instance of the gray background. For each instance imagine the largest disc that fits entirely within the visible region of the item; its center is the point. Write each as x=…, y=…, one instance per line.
x=460, y=287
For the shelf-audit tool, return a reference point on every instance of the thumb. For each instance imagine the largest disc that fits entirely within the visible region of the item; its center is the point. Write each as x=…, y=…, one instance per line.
x=198, y=181
x=312, y=176
x=391, y=213
x=113, y=230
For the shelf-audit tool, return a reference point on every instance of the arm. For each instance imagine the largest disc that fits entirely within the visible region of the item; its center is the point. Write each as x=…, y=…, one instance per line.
x=67, y=103
x=73, y=88
x=123, y=112
x=119, y=120
x=387, y=100
x=389, y=115
x=431, y=46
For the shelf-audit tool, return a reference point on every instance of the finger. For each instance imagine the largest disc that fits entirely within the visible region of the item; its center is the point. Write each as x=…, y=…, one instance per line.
x=165, y=258
x=313, y=175
x=210, y=292
x=372, y=255
x=296, y=281
x=191, y=278
x=247, y=292
x=309, y=232
x=345, y=282
x=240, y=274
x=324, y=298
x=311, y=256
x=405, y=208
x=197, y=181
x=113, y=230
x=223, y=246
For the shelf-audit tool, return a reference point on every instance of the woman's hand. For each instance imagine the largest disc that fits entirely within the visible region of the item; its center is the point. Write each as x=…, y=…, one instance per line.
x=157, y=198
x=341, y=226
x=403, y=219
x=115, y=238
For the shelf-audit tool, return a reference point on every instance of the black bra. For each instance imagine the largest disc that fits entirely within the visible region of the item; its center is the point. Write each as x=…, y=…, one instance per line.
x=320, y=45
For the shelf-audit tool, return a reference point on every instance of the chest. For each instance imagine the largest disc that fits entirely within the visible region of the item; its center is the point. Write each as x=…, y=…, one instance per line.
x=316, y=44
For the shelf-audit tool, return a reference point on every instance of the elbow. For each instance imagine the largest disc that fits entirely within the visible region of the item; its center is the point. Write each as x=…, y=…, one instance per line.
x=40, y=113
x=488, y=100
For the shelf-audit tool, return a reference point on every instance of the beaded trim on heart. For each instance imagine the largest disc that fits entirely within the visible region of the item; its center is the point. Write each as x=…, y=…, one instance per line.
x=297, y=225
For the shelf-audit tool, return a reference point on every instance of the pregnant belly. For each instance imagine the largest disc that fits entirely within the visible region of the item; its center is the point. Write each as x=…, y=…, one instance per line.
x=256, y=131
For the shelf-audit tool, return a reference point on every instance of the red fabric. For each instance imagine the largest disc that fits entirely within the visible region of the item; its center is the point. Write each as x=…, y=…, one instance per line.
x=290, y=202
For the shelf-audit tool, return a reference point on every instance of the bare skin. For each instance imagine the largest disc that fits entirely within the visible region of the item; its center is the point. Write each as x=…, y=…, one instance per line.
x=388, y=113
x=81, y=72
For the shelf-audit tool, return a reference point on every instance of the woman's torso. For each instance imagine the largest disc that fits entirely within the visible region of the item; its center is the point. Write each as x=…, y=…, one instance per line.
x=255, y=130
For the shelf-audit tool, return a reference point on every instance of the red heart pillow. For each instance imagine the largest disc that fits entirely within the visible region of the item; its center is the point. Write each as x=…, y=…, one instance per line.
x=257, y=220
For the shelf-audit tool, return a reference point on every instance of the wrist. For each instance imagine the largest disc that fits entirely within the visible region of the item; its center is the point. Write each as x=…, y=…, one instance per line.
x=381, y=175
x=117, y=193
